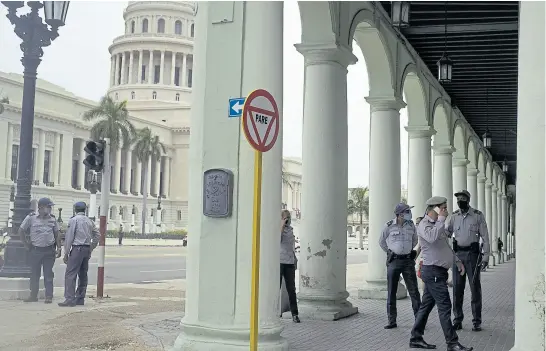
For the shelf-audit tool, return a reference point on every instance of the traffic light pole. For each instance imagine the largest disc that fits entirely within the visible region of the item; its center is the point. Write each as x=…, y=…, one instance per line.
x=104, y=207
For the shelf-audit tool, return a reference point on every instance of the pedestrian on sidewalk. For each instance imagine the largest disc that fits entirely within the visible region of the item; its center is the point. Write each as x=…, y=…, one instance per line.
x=437, y=259
x=120, y=234
x=289, y=262
x=398, y=240
x=43, y=245
x=81, y=238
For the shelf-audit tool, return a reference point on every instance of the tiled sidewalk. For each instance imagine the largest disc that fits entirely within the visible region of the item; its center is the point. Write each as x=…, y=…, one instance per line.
x=364, y=332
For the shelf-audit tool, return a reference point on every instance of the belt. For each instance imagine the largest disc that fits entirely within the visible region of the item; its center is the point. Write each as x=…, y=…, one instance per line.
x=43, y=247
x=401, y=257
x=86, y=245
x=464, y=248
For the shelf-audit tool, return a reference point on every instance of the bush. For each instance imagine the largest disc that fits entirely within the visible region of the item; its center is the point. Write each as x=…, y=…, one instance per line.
x=177, y=234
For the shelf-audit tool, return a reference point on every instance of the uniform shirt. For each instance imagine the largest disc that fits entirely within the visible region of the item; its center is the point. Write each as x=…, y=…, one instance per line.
x=81, y=231
x=468, y=228
x=399, y=239
x=433, y=238
x=41, y=230
x=288, y=241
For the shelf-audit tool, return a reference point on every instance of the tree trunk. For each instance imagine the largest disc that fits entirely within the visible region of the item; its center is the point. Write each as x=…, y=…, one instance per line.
x=144, y=198
x=361, y=234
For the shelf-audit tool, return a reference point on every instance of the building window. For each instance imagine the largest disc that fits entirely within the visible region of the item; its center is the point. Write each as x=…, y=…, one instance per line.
x=190, y=78
x=116, y=96
x=192, y=30
x=178, y=27
x=132, y=95
x=177, y=97
x=157, y=71
x=47, y=161
x=145, y=26
x=179, y=215
x=161, y=25
x=177, y=76
x=132, y=26
x=154, y=95
x=143, y=74
x=112, y=212
x=14, y=161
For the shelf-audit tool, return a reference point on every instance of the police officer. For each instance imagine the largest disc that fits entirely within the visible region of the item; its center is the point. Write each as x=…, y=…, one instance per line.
x=81, y=238
x=398, y=240
x=437, y=258
x=468, y=226
x=44, y=245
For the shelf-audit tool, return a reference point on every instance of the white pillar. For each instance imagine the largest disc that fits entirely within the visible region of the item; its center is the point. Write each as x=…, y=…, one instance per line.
x=131, y=63
x=166, y=176
x=219, y=319
x=140, y=78
x=504, y=227
x=184, y=69
x=4, y=157
x=65, y=167
x=459, y=177
x=173, y=67
x=148, y=180
x=56, y=159
x=122, y=69
x=112, y=69
x=117, y=170
x=488, y=210
x=162, y=67
x=493, y=227
x=385, y=187
x=157, y=176
x=116, y=69
x=151, y=68
x=420, y=170
x=443, y=174
x=127, y=171
x=499, y=221
x=9, y=148
x=81, y=166
x=322, y=292
x=530, y=190
x=138, y=178
x=472, y=186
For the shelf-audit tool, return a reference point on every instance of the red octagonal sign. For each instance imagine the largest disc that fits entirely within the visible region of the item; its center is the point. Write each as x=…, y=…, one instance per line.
x=261, y=120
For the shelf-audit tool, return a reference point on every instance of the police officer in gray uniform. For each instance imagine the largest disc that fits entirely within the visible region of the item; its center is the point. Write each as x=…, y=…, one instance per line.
x=468, y=225
x=81, y=238
x=437, y=259
x=44, y=245
x=398, y=240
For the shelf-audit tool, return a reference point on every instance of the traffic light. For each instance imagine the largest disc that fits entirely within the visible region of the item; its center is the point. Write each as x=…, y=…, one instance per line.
x=95, y=160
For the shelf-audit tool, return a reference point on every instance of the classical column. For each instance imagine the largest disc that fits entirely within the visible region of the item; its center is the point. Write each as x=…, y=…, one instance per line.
x=65, y=167
x=157, y=176
x=161, y=66
x=138, y=178
x=56, y=159
x=494, y=224
x=488, y=218
x=4, y=157
x=184, y=82
x=512, y=214
x=481, y=195
x=127, y=171
x=219, y=318
x=9, y=148
x=151, y=68
x=420, y=170
x=472, y=185
x=385, y=187
x=459, y=177
x=117, y=170
x=443, y=174
x=323, y=294
x=116, y=68
x=131, y=63
x=148, y=178
x=166, y=176
x=499, y=221
x=140, y=78
x=122, y=69
x=112, y=69
x=504, y=223
x=81, y=166
x=173, y=67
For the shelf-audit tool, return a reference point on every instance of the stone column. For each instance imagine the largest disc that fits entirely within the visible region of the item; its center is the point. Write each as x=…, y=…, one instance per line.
x=459, y=177
x=157, y=176
x=472, y=185
x=81, y=166
x=40, y=156
x=127, y=173
x=151, y=68
x=112, y=69
x=184, y=82
x=140, y=78
x=173, y=68
x=219, y=318
x=385, y=187
x=131, y=63
x=65, y=167
x=148, y=178
x=166, y=176
x=138, y=178
x=504, y=223
x=488, y=210
x=420, y=170
x=481, y=196
x=323, y=294
x=162, y=66
x=494, y=224
x=116, y=69
x=117, y=170
x=122, y=69
x=9, y=148
x=499, y=220
x=443, y=174
x=529, y=323
x=56, y=159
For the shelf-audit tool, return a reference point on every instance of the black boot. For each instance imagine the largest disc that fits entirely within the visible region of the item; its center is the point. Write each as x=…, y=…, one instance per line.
x=421, y=344
x=67, y=303
x=391, y=325
x=459, y=347
x=296, y=319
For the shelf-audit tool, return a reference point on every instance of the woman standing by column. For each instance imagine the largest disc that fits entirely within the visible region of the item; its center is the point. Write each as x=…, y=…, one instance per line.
x=289, y=262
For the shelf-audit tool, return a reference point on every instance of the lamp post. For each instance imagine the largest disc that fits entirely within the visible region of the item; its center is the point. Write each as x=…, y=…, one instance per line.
x=35, y=35
x=59, y=219
x=158, y=215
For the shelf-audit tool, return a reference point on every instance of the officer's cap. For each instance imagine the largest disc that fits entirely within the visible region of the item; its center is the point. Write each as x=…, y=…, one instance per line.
x=436, y=201
x=80, y=204
x=44, y=202
x=463, y=193
x=401, y=208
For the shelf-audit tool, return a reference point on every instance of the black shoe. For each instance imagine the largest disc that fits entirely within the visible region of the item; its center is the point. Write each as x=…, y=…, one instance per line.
x=80, y=302
x=458, y=326
x=48, y=300
x=296, y=319
x=477, y=328
x=421, y=345
x=459, y=347
x=67, y=303
x=31, y=299
x=391, y=326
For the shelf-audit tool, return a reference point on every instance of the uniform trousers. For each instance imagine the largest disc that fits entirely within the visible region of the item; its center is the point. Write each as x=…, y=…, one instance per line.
x=41, y=259
x=406, y=267
x=77, y=267
x=435, y=293
x=470, y=261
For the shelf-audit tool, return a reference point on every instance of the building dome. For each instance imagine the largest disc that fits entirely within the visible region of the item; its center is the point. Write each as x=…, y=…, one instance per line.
x=152, y=63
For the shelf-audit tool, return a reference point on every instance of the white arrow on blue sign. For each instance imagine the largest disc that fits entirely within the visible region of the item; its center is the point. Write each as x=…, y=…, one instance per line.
x=236, y=107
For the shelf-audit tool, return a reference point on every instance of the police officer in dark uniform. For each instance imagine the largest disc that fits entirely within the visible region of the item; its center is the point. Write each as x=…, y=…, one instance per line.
x=468, y=225
x=437, y=257
x=398, y=240
x=81, y=238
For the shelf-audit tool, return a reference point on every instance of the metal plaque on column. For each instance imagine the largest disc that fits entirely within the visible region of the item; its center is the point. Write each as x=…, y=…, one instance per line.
x=217, y=193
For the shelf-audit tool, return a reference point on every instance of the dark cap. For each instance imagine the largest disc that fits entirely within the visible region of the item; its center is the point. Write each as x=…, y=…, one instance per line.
x=44, y=202
x=436, y=201
x=401, y=208
x=463, y=193
x=80, y=204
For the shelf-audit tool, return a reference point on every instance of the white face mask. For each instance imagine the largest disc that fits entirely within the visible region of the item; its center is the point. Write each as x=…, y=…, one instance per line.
x=407, y=216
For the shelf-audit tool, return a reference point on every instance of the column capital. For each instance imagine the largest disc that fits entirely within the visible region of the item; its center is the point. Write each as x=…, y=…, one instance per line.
x=317, y=54
x=504, y=197
x=443, y=149
x=482, y=179
x=460, y=162
x=494, y=188
x=472, y=172
x=385, y=103
x=418, y=132
x=489, y=185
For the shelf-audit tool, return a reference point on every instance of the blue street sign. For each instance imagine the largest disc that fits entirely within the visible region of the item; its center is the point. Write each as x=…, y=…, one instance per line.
x=236, y=107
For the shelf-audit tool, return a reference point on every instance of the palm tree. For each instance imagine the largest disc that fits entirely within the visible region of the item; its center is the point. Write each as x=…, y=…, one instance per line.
x=359, y=203
x=146, y=146
x=113, y=122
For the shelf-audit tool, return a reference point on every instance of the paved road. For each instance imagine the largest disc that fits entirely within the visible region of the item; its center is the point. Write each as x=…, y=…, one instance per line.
x=141, y=264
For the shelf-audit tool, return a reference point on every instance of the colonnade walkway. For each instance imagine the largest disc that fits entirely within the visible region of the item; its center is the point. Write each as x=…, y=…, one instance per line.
x=364, y=332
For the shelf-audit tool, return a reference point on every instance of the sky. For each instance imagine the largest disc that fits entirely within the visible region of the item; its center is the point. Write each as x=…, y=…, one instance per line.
x=78, y=60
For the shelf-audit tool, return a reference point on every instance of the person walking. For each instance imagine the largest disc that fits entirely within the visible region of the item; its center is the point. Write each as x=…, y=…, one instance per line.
x=43, y=245
x=398, y=240
x=437, y=258
x=289, y=262
x=81, y=238
x=468, y=226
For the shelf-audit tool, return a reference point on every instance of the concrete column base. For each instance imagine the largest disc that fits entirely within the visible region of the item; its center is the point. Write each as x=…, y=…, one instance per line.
x=18, y=289
x=377, y=290
x=325, y=308
x=230, y=338
x=492, y=260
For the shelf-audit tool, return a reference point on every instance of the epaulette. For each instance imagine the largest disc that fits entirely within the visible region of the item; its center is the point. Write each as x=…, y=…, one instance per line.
x=478, y=212
x=389, y=223
x=456, y=212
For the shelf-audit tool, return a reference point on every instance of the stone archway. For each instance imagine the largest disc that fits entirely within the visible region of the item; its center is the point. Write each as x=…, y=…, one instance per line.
x=472, y=173
x=442, y=173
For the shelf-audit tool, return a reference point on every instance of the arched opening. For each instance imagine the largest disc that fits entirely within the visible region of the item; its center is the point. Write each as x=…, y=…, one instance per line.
x=161, y=25
x=178, y=27
x=145, y=25
x=132, y=27
x=154, y=95
x=192, y=30
x=177, y=97
x=132, y=95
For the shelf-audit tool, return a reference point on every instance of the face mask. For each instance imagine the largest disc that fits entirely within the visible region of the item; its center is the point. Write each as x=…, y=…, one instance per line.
x=463, y=205
x=407, y=216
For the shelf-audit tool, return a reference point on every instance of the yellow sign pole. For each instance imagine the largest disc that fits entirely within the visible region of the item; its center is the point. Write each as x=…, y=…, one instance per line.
x=255, y=292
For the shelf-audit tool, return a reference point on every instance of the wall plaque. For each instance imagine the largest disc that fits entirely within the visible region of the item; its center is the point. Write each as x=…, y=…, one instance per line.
x=217, y=193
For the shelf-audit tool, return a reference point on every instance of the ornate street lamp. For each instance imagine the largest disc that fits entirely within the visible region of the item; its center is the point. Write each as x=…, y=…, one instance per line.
x=486, y=139
x=400, y=13
x=35, y=35
x=504, y=166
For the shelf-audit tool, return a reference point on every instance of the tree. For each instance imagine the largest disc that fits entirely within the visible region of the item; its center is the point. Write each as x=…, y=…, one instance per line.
x=359, y=203
x=146, y=146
